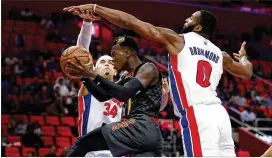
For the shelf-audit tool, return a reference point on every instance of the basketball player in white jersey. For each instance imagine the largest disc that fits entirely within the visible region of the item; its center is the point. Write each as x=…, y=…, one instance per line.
x=195, y=69
x=95, y=108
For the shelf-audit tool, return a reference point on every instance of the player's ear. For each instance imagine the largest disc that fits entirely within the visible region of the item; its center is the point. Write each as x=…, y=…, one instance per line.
x=198, y=28
x=115, y=72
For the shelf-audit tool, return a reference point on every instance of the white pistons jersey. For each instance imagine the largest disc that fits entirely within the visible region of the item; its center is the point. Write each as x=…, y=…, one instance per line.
x=195, y=73
x=93, y=113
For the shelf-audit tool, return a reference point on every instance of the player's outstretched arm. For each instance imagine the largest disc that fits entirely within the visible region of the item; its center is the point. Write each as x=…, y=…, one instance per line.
x=243, y=68
x=173, y=42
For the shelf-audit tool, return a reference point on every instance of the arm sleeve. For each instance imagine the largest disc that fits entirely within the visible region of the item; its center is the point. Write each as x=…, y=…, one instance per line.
x=99, y=93
x=164, y=101
x=119, y=92
x=85, y=35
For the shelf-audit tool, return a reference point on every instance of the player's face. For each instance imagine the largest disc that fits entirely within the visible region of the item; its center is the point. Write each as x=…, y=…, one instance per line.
x=191, y=23
x=105, y=67
x=119, y=56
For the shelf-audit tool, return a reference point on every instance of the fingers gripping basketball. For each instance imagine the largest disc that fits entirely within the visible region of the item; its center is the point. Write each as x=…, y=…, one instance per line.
x=70, y=55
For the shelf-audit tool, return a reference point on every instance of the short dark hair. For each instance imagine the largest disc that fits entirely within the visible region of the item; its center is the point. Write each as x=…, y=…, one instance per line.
x=126, y=41
x=208, y=21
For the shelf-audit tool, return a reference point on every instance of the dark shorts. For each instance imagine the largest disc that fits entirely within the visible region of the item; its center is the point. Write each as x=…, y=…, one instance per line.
x=135, y=136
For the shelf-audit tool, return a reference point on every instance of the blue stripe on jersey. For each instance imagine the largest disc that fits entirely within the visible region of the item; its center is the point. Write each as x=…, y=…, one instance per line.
x=182, y=111
x=87, y=105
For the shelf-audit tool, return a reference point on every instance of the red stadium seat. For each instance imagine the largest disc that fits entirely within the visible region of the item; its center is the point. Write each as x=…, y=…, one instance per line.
x=59, y=151
x=48, y=130
x=18, y=30
x=70, y=121
x=39, y=39
x=4, y=119
x=26, y=150
x=4, y=129
x=52, y=120
x=41, y=32
x=64, y=131
x=74, y=140
x=61, y=45
x=48, y=141
x=5, y=39
x=21, y=117
x=7, y=29
x=166, y=124
x=177, y=125
x=9, y=23
x=243, y=154
x=20, y=23
x=58, y=74
x=31, y=30
x=31, y=25
x=29, y=38
x=44, y=151
x=13, y=139
x=38, y=119
x=29, y=45
x=12, y=152
x=63, y=141
x=3, y=49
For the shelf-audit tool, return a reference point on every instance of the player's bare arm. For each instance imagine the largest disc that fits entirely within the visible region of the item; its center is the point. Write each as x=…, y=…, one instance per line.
x=243, y=68
x=174, y=42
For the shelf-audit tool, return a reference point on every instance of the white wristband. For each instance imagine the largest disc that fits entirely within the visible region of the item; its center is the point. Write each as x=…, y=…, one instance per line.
x=87, y=23
x=94, y=8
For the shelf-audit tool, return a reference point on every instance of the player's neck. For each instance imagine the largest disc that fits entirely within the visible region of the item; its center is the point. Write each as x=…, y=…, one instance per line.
x=203, y=35
x=132, y=63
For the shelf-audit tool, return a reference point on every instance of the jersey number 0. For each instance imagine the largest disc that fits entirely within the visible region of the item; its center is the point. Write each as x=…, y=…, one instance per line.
x=203, y=75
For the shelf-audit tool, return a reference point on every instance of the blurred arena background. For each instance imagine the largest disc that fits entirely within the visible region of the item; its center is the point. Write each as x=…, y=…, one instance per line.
x=39, y=119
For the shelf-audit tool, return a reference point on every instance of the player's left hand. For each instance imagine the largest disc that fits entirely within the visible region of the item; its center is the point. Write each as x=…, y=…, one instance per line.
x=86, y=15
x=80, y=69
x=242, y=52
x=80, y=8
x=165, y=86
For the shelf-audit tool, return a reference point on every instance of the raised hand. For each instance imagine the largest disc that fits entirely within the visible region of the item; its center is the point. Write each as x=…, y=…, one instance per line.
x=80, y=8
x=165, y=86
x=80, y=69
x=242, y=52
x=86, y=15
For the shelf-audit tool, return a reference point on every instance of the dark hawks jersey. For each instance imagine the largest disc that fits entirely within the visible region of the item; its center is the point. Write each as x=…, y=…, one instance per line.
x=146, y=101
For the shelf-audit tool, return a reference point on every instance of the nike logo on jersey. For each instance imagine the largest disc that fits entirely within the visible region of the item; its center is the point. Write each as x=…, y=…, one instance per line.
x=209, y=55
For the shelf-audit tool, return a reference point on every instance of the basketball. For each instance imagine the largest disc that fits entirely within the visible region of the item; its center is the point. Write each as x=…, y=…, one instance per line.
x=70, y=53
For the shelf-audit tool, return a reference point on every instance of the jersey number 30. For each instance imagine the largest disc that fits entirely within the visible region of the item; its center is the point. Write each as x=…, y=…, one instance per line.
x=110, y=110
x=203, y=75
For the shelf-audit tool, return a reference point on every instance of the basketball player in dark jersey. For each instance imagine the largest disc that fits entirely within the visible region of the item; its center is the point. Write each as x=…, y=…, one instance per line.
x=140, y=134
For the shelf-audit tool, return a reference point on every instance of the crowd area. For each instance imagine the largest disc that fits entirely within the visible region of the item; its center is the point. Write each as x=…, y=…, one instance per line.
x=39, y=103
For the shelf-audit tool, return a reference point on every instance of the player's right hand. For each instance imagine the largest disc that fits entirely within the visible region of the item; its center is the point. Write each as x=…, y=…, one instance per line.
x=242, y=52
x=86, y=15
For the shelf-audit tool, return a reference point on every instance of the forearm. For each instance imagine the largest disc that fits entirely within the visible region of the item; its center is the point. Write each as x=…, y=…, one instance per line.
x=164, y=101
x=85, y=35
x=99, y=93
x=247, y=66
x=119, y=92
x=116, y=17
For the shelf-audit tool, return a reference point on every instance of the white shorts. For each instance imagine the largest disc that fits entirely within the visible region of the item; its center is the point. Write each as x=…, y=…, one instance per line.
x=101, y=153
x=206, y=131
